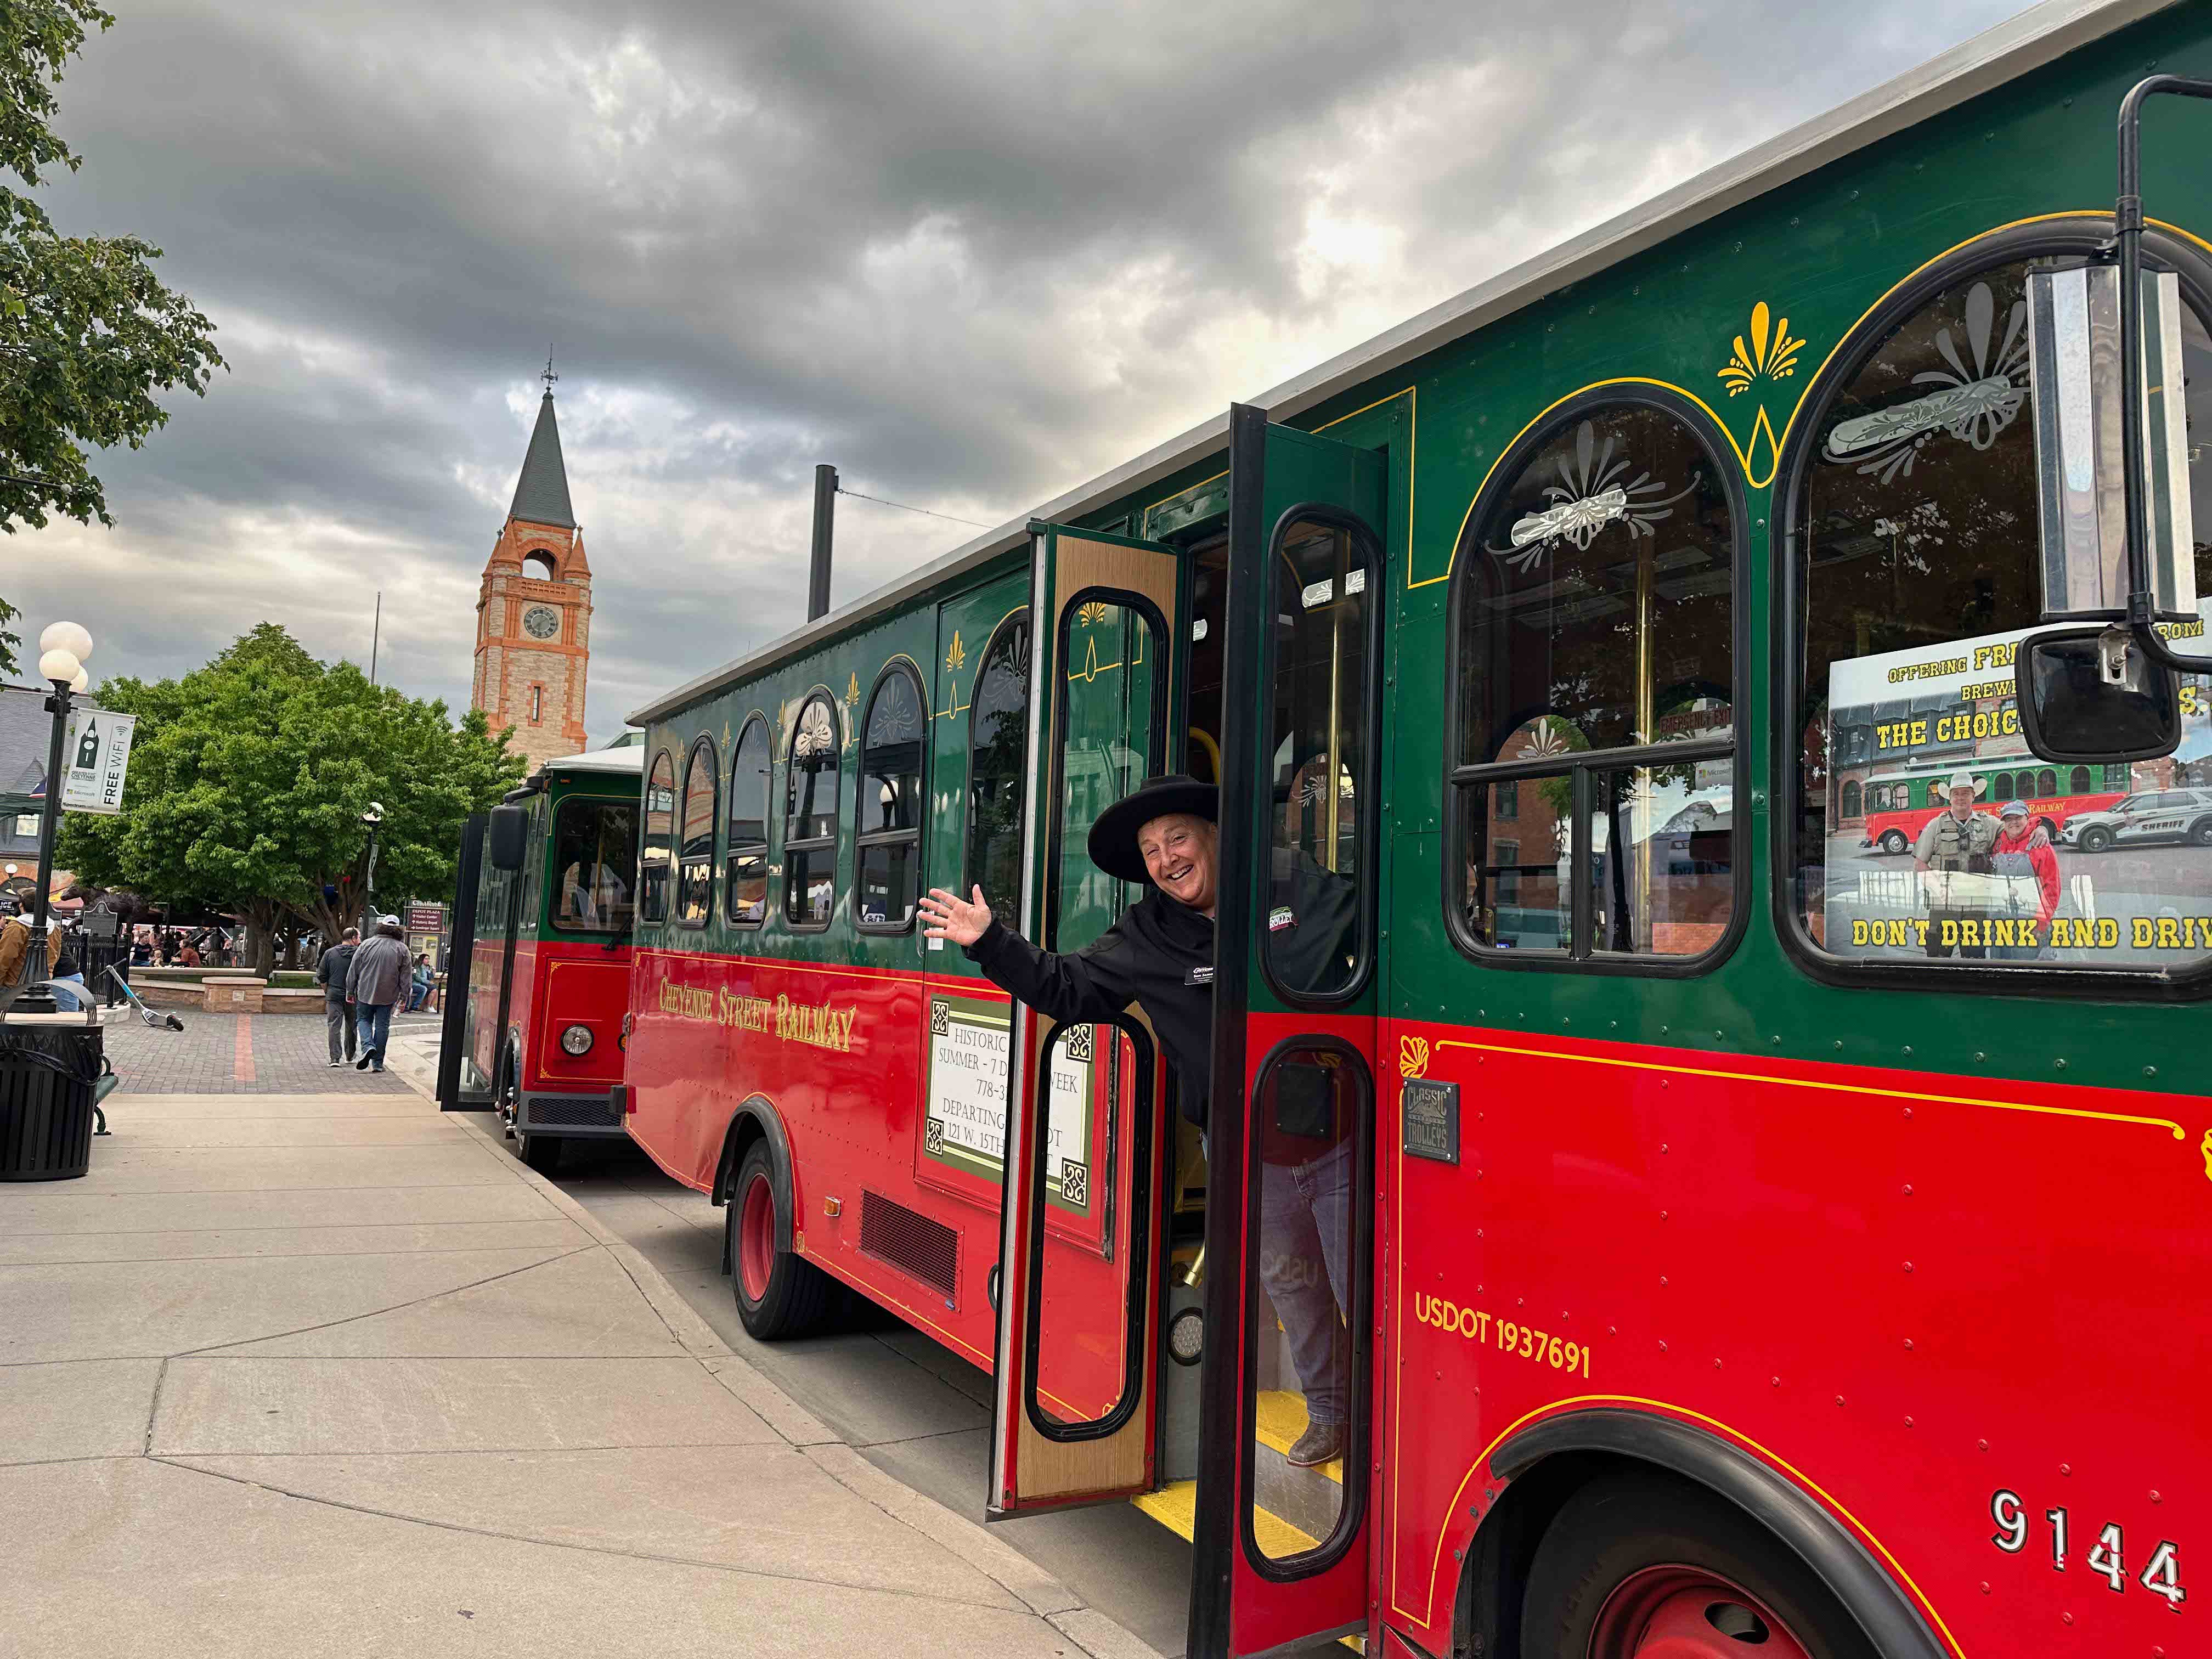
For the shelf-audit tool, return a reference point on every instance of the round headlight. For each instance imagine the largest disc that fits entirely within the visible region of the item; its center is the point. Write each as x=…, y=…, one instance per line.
x=576, y=1040
x=1187, y=1337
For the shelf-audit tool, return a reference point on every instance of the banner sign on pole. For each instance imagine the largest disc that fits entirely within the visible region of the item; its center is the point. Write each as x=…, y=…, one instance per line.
x=96, y=756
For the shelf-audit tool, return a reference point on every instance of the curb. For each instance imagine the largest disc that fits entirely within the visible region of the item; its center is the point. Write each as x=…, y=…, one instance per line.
x=1029, y=1584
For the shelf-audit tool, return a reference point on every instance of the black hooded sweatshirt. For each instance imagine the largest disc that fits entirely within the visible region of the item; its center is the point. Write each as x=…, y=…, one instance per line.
x=1159, y=956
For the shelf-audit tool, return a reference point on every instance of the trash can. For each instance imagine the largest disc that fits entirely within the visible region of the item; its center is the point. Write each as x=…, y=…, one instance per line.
x=50, y=1074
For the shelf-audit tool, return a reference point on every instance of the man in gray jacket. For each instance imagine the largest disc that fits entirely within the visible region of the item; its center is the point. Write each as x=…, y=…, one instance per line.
x=331, y=974
x=376, y=979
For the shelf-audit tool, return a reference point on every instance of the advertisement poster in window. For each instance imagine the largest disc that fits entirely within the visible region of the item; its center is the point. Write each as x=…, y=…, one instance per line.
x=1948, y=840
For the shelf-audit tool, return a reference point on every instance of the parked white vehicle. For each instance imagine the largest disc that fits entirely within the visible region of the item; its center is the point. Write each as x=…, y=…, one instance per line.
x=2152, y=815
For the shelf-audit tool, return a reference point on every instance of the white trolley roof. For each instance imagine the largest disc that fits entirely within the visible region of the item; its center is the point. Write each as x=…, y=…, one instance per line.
x=1992, y=58
x=629, y=759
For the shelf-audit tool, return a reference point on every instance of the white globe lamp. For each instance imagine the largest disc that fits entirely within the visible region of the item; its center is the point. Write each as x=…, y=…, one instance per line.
x=59, y=664
x=66, y=636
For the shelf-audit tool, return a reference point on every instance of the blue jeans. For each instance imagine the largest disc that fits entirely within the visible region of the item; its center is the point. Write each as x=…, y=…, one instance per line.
x=375, y=1030
x=63, y=1000
x=1305, y=1238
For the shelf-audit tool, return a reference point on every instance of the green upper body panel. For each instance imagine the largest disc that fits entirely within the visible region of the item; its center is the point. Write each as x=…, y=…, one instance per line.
x=1706, y=312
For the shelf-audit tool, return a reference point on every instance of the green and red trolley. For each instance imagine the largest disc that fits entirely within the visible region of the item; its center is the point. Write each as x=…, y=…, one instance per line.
x=541, y=951
x=1702, y=1280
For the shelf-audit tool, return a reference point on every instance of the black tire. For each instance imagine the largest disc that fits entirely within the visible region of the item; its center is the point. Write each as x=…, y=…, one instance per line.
x=1892, y=841
x=543, y=1153
x=797, y=1293
x=1622, y=1525
x=2096, y=838
x=2200, y=833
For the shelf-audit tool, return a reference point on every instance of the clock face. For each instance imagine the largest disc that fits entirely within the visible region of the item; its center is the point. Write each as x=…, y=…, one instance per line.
x=541, y=622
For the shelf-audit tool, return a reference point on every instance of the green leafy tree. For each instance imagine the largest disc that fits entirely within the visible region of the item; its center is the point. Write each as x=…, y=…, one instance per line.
x=249, y=778
x=87, y=334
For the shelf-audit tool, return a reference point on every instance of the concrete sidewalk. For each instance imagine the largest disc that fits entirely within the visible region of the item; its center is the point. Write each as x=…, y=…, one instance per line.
x=333, y=1373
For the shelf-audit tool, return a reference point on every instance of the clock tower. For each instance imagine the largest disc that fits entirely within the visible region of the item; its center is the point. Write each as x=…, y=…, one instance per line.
x=534, y=608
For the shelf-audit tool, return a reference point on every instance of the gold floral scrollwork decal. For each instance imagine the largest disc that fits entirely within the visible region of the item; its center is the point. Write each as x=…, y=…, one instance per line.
x=1414, y=1057
x=2206, y=1148
x=1768, y=355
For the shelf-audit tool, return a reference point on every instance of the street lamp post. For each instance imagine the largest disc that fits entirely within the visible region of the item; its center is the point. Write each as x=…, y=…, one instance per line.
x=372, y=816
x=63, y=646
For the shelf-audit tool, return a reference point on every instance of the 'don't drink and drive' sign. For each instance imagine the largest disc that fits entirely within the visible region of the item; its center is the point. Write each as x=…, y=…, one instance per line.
x=95, y=757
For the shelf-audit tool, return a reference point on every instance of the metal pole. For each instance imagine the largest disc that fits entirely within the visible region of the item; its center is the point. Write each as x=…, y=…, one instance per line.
x=375, y=636
x=825, y=516
x=369, y=888
x=50, y=819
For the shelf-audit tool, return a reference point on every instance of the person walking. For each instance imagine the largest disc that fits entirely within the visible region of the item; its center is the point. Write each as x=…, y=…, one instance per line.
x=331, y=974
x=376, y=982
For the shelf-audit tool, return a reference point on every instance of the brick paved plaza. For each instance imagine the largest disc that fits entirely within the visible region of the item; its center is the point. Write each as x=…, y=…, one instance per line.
x=242, y=1054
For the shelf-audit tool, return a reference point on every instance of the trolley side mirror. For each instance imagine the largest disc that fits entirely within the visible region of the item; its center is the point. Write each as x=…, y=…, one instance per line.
x=509, y=834
x=2074, y=380
x=2092, y=694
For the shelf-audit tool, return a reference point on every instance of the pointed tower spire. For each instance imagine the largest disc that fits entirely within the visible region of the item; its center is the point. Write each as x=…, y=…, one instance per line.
x=541, y=495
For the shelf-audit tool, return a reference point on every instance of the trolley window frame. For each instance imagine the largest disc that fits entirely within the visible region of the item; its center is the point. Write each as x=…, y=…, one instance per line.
x=2083, y=237
x=1463, y=782
x=680, y=860
x=899, y=667
x=732, y=848
x=829, y=843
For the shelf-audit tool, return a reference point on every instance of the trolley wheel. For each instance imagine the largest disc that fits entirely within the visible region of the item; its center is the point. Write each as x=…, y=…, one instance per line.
x=779, y=1294
x=1643, y=1564
x=1892, y=841
x=2050, y=829
x=542, y=1153
x=2096, y=838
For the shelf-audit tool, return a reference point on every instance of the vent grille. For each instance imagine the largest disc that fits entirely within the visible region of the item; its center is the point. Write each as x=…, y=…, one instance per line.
x=910, y=1242
x=573, y=1111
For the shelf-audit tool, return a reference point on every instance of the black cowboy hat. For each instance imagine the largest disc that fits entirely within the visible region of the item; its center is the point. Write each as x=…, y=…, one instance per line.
x=1114, y=837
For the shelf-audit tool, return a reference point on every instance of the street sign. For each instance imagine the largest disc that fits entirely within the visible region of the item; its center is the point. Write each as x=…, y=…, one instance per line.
x=96, y=755
x=425, y=918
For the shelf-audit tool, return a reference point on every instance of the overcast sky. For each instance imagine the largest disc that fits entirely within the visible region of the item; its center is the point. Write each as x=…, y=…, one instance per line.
x=973, y=253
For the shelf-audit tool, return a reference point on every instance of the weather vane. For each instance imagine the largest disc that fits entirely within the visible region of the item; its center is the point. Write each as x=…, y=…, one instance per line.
x=548, y=376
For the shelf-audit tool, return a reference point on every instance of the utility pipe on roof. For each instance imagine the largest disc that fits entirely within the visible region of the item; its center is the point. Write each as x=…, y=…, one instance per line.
x=825, y=517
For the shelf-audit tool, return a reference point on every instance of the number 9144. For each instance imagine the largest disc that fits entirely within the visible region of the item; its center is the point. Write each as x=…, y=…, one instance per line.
x=2105, y=1558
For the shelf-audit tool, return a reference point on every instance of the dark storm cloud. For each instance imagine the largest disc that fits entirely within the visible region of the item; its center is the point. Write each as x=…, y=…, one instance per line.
x=972, y=253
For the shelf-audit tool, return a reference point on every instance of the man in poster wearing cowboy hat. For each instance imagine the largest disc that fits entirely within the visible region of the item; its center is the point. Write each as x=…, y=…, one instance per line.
x=1160, y=956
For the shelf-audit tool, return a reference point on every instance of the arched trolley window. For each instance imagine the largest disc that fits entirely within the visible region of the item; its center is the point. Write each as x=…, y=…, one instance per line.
x=746, y=905
x=887, y=808
x=1593, y=804
x=660, y=835
x=1913, y=500
x=998, y=767
x=695, y=841
x=811, y=785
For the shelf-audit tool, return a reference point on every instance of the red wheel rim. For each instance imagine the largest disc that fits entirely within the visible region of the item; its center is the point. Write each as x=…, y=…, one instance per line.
x=1688, y=1613
x=756, y=1237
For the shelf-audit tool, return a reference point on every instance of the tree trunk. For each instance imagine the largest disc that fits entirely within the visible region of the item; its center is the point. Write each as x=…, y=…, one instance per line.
x=261, y=917
x=291, y=949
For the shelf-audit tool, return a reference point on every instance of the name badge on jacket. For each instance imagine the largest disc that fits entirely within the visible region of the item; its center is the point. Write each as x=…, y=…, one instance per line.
x=1200, y=975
